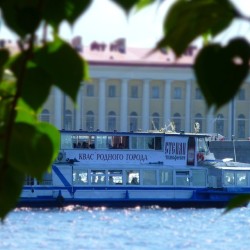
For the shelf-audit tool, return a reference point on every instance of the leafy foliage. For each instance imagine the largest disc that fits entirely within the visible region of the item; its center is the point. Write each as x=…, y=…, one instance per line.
x=229, y=64
x=237, y=201
x=54, y=12
x=28, y=146
x=218, y=69
x=188, y=20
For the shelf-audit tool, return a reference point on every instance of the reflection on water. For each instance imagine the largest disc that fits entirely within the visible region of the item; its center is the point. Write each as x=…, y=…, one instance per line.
x=76, y=227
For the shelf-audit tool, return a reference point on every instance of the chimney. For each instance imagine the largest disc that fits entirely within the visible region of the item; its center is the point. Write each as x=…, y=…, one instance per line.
x=2, y=43
x=119, y=45
x=97, y=46
x=77, y=43
x=189, y=51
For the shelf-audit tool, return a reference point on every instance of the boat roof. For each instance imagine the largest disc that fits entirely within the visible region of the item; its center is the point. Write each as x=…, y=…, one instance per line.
x=138, y=132
x=227, y=165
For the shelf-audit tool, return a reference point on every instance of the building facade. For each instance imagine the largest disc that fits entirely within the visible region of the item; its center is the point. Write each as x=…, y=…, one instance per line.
x=131, y=89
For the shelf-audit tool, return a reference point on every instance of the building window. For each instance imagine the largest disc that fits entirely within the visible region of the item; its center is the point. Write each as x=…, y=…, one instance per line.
x=241, y=95
x=133, y=121
x=111, y=121
x=177, y=122
x=198, y=118
x=241, y=126
x=45, y=116
x=68, y=124
x=134, y=92
x=111, y=91
x=155, y=92
x=219, y=124
x=90, y=90
x=177, y=93
x=90, y=121
x=198, y=94
x=155, y=121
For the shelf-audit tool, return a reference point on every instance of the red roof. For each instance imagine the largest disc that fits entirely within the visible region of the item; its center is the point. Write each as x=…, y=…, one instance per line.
x=138, y=56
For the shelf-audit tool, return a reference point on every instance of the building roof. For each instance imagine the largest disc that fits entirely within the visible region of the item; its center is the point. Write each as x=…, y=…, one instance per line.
x=117, y=53
x=101, y=53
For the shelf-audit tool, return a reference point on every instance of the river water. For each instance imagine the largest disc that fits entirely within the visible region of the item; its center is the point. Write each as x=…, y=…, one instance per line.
x=79, y=228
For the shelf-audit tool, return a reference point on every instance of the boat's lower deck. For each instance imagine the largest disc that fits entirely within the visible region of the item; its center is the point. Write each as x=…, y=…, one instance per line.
x=126, y=197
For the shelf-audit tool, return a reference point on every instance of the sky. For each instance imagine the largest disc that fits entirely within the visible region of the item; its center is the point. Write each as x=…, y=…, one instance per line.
x=104, y=21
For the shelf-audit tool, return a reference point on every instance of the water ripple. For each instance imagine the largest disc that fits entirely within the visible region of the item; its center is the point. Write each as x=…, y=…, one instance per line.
x=77, y=227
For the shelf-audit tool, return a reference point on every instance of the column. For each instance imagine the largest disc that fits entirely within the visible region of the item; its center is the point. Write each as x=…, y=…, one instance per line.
x=78, y=110
x=124, y=106
x=167, y=103
x=210, y=121
x=232, y=119
x=58, y=108
x=188, y=107
x=102, y=104
x=145, y=105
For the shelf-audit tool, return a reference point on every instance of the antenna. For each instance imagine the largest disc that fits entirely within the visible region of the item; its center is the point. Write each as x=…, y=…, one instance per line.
x=153, y=125
x=234, y=148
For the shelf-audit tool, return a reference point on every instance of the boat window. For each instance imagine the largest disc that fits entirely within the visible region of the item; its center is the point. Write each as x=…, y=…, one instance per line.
x=198, y=177
x=146, y=142
x=149, y=177
x=103, y=141
x=158, y=143
x=46, y=179
x=166, y=177
x=98, y=177
x=182, y=178
x=119, y=142
x=241, y=178
x=66, y=141
x=115, y=177
x=134, y=142
x=80, y=177
x=228, y=178
x=29, y=181
x=83, y=141
x=202, y=146
x=133, y=177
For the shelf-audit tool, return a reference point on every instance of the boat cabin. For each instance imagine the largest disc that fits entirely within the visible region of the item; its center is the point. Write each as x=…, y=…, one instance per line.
x=137, y=168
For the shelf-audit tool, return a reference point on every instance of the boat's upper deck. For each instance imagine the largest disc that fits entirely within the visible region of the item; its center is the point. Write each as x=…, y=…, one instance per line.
x=135, y=147
x=119, y=140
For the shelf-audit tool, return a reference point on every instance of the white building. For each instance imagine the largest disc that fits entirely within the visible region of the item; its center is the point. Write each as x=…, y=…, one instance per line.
x=134, y=89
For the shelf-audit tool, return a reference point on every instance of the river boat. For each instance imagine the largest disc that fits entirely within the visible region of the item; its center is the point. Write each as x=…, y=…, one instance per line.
x=128, y=169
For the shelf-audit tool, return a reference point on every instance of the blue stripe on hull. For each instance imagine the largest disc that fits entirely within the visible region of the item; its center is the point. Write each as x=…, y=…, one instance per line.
x=122, y=203
x=197, y=201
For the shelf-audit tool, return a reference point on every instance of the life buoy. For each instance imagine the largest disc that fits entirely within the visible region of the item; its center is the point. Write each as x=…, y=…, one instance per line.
x=60, y=156
x=200, y=157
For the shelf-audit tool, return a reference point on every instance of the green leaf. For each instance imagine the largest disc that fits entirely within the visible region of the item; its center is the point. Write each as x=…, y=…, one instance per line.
x=36, y=82
x=7, y=91
x=23, y=17
x=17, y=63
x=31, y=150
x=143, y=3
x=189, y=19
x=4, y=56
x=10, y=189
x=238, y=201
x=127, y=5
x=54, y=12
x=53, y=134
x=63, y=64
x=221, y=70
x=36, y=87
x=25, y=113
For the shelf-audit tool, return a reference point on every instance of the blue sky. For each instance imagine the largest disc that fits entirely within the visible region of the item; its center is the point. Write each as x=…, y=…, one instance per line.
x=105, y=22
